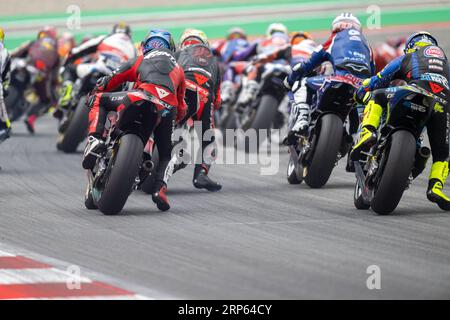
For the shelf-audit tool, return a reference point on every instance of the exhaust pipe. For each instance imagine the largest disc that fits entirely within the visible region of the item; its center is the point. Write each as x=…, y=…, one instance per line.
x=148, y=165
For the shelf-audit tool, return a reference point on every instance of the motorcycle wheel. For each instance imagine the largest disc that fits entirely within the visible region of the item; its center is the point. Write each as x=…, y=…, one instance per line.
x=124, y=170
x=325, y=150
x=395, y=174
x=76, y=130
x=147, y=185
x=14, y=103
x=264, y=117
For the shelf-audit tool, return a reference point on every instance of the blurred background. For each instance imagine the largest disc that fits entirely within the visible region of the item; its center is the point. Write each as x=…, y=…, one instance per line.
x=22, y=19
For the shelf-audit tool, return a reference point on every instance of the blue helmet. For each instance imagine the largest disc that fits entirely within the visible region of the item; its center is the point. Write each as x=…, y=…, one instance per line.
x=157, y=38
x=419, y=39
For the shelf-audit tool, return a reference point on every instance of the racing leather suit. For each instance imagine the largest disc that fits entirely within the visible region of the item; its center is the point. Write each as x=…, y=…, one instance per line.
x=202, y=69
x=351, y=57
x=158, y=74
x=426, y=68
x=42, y=54
x=103, y=53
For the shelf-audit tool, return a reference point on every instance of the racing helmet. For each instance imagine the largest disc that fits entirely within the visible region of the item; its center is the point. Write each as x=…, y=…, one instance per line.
x=345, y=21
x=236, y=33
x=193, y=36
x=48, y=31
x=157, y=38
x=2, y=35
x=122, y=27
x=276, y=27
x=299, y=36
x=418, y=40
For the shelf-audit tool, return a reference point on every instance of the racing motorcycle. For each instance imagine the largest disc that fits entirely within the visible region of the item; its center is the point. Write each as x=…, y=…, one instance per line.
x=395, y=160
x=313, y=157
x=24, y=73
x=263, y=112
x=73, y=127
x=124, y=165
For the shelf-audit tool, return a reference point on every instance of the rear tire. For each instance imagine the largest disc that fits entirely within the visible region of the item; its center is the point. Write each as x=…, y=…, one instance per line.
x=122, y=175
x=396, y=172
x=325, y=151
x=76, y=130
x=14, y=103
x=264, y=117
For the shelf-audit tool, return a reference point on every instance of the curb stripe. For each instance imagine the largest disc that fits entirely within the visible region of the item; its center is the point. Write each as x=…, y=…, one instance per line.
x=60, y=290
x=20, y=262
x=26, y=276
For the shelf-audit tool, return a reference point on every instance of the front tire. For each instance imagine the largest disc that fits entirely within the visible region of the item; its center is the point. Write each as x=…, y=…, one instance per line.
x=325, y=151
x=396, y=171
x=122, y=175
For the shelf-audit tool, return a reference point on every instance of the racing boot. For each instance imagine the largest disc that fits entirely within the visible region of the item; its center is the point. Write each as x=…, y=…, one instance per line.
x=29, y=123
x=227, y=92
x=65, y=94
x=159, y=196
x=368, y=135
x=438, y=176
x=94, y=148
x=249, y=92
x=300, y=118
x=202, y=181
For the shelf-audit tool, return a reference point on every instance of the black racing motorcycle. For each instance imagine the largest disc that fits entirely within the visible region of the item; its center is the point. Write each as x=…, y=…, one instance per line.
x=124, y=165
x=395, y=160
x=313, y=157
x=262, y=113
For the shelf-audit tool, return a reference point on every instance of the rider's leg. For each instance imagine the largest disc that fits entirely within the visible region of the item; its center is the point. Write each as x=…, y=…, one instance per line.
x=299, y=117
x=104, y=102
x=68, y=78
x=209, y=149
x=438, y=133
x=5, y=124
x=163, y=138
x=250, y=85
x=370, y=123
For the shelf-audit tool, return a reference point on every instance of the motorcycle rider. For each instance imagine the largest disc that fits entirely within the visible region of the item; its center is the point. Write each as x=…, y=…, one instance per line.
x=303, y=47
x=43, y=54
x=424, y=64
x=115, y=47
x=277, y=39
x=202, y=68
x=351, y=56
x=156, y=72
x=229, y=52
x=5, y=62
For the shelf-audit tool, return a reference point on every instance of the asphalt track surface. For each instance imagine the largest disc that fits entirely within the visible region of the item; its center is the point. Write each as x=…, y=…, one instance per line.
x=257, y=238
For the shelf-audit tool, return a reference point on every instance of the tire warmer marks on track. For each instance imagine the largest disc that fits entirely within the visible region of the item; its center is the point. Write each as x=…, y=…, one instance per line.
x=22, y=277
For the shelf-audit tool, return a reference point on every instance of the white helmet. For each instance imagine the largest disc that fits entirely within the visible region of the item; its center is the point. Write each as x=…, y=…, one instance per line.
x=345, y=21
x=276, y=27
